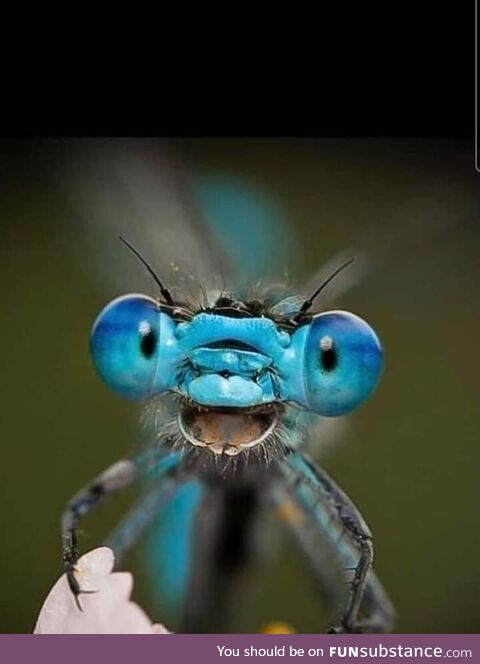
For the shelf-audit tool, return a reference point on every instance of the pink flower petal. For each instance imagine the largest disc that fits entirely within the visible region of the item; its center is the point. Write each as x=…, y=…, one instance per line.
x=107, y=611
x=159, y=629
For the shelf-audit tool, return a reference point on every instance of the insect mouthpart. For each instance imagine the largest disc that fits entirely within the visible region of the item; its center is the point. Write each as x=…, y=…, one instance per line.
x=227, y=430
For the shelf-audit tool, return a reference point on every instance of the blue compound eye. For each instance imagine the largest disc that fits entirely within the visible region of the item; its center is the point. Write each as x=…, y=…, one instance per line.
x=342, y=362
x=124, y=345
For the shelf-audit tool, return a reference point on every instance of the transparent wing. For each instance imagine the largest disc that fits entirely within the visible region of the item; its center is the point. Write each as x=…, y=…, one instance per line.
x=195, y=229
x=413, y=231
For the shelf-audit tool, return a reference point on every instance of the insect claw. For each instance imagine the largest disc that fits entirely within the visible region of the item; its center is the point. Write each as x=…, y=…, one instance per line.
x=75, y=587
x=77, y=602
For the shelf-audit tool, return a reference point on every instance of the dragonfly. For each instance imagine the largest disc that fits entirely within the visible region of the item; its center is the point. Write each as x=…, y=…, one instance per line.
x=239, y=380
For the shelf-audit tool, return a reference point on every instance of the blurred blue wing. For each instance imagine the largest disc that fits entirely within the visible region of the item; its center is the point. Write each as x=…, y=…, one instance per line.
x=251, y=225
x=198, y=230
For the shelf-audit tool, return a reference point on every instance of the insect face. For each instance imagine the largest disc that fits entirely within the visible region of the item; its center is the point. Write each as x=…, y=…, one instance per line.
x=235, y=374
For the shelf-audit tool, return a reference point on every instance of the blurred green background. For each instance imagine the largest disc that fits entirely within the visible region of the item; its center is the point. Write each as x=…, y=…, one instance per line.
x=409, y=458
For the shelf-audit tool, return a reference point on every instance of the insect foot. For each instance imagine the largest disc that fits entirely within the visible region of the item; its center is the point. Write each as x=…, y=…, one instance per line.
x=110, y=610
x=74, y=585
x=339, y=627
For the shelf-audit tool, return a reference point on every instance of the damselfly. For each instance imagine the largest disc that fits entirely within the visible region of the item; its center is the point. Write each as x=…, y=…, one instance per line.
x=239, y=380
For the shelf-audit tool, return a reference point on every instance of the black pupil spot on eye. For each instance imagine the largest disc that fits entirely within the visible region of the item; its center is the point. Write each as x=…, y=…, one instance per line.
x=328, y=358
x=148, y=341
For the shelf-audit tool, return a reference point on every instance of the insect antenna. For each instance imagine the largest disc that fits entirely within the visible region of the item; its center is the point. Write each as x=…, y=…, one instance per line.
x=164, y=291
x=308, y=303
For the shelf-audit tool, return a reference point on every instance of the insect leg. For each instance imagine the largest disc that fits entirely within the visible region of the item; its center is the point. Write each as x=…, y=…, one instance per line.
x=323, y=505
x=116, y=477
x=133, y=524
